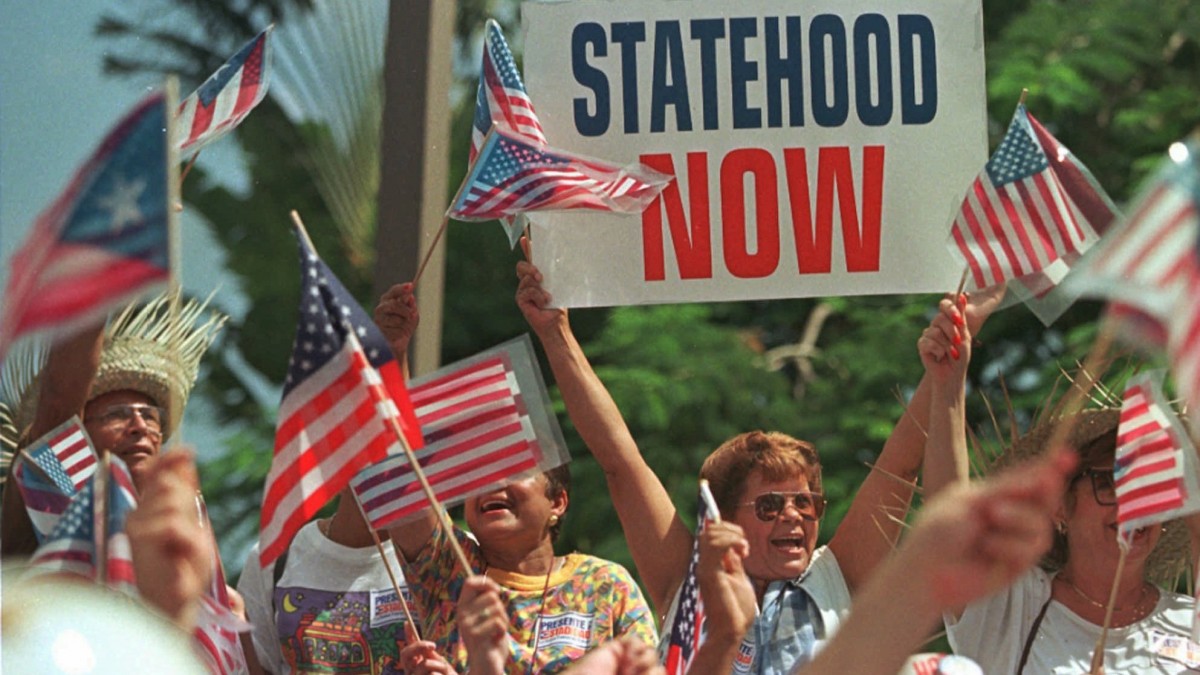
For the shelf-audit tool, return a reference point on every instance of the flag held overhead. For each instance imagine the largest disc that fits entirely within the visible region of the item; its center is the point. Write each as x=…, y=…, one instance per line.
x=227, y=96
x=513, y=174
x=331, y=423
x=103, y=242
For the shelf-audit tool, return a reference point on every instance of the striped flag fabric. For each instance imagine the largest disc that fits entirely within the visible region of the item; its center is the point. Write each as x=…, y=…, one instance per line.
x=52, y=469
x=501, y=97
x=1149, y=267
x=217, y=626
x=342, y=387
x=687, y=621
x=103, y=241
x=226, y=97
x=486, y=420
x=513, y=174
x=501, y=100
x=1018, y=216
x=65, y=454
x=1043, y=292
x=1154, y=472
x=72, y=546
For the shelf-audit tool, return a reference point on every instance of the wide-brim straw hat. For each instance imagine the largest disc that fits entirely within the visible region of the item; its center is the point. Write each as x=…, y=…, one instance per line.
x=1170, y=559
x=153, y=349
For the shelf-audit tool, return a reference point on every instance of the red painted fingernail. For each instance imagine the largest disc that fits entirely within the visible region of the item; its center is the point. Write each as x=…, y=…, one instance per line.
x=957, y=339
x=954, y=353
x=958, y=320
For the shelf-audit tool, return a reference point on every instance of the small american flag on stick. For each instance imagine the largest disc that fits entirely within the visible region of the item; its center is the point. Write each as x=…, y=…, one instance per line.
x=227, y=96
x=486, y=420
x=1154, y=471
x=1018, y=218
x=514, y=174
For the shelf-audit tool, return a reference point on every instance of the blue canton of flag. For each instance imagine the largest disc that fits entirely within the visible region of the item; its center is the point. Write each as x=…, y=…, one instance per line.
x=103, y=241
x=1019, y=155
x=45, y=500
x=327, y=313
x=48, y=463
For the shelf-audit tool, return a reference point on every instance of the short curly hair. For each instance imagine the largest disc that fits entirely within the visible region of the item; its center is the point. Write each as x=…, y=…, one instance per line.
x=777, y=455
x=558, y=481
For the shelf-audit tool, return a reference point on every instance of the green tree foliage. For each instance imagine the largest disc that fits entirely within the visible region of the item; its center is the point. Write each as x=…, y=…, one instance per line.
x=1113, y=79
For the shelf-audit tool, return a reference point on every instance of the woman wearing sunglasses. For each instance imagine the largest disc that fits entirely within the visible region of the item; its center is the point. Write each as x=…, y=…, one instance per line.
x=1050, y=620
x=767, y=483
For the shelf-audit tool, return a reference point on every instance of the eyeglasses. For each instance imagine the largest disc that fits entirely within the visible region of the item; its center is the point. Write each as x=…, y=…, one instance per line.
x=1104, y=489
x=123, y=414
x=769, y=505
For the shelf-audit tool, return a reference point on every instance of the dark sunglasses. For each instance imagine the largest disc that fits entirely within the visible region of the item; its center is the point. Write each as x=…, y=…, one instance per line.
x=769, y=505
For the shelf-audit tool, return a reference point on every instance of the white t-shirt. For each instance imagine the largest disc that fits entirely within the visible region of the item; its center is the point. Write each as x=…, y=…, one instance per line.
x=333, y=606
x=994, y=630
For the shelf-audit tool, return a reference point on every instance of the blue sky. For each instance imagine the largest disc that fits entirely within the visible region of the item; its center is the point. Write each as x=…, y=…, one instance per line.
x=55, y=106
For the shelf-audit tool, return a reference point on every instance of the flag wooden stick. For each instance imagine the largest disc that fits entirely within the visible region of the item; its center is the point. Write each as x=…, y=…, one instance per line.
x=174, y=240
x=438, y=510
x=1098, y=655
x=1095, y=364
x=429, y=253
x=187, y=169
x=408, y=614
x=962, y=283
x=1024, y=93
x=100, y=506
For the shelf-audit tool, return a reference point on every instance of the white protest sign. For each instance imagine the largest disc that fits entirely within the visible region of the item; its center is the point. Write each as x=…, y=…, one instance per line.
x=818, y=148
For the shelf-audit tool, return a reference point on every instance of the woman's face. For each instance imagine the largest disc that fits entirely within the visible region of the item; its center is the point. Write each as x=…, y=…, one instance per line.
x=1092, y=526
x=782, y=547
x=517, y=514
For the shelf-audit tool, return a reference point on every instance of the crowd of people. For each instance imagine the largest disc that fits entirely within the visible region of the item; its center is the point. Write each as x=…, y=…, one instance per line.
x=1017, y=566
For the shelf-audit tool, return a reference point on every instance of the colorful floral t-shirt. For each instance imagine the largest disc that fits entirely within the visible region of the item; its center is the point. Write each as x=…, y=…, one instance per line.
x=588, y=601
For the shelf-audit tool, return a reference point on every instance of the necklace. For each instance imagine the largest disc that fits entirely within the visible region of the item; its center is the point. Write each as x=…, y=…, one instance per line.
x=1138, y=603
x=537, y=623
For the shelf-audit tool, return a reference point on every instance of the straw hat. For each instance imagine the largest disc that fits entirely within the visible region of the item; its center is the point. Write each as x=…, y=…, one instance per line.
x=1170, y=558
x=151, y=349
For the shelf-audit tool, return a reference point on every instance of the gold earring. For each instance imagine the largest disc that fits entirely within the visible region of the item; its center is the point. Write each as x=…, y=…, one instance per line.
x=1061, y=527
x=553, y=520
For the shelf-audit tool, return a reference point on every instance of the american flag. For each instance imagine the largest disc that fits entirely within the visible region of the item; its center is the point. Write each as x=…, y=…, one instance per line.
x=1155, y=466
x=1150, y=266
x=482, y=428
x=501, y=100
x=227, y=96
x=501, y=97
x=217, y=626
x=62, y=461
x=686, y=629
x=343, y=383
x=1018, y=216
x=103, y=242
x=514, y=175
x=72, y=546
x=1042, y=292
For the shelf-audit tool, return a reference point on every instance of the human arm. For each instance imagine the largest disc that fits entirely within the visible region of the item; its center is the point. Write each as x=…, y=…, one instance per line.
x=172, y=554
x=398, y=316
x=945, y=349
x=866, y=534
x=967, y=543
x=729, y=605
x=658, y=540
